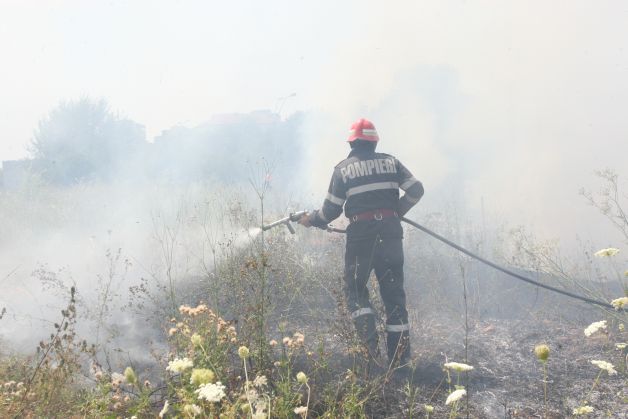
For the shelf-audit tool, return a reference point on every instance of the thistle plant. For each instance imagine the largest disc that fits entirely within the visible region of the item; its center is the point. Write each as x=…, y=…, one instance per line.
x=303, y=380
x=243, y=353
x=542, y=353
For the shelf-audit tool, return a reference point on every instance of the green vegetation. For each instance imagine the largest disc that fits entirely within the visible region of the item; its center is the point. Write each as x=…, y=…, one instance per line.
x=241, y=327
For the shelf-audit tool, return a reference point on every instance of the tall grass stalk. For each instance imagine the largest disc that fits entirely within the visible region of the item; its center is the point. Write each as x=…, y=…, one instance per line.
x=466, y=333
x=260, y=182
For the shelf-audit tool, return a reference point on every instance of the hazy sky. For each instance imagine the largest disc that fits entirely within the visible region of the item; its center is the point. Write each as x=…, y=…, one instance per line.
x=160, y=63
x=515, y=102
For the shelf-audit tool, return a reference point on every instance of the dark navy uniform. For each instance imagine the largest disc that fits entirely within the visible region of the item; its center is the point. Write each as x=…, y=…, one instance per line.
x=367, y=185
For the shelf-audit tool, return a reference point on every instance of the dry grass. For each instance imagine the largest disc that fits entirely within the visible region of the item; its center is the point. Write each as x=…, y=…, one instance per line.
x=292, y=286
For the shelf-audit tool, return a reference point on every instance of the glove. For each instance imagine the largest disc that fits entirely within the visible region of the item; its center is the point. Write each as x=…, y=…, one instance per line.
x=306, y=220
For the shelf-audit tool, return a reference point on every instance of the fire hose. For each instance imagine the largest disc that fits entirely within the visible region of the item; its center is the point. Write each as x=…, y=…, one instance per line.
x=295, y=217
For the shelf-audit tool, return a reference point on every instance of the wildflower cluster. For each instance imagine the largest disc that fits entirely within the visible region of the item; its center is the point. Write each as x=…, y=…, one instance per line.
x=620, y=302
x=213, y=393
x=12, y=390
x=455, y=396
x=459, y=390
x=606, y=366
x=604, y=253
x=202, y=316
x=582, y=410
x=458, y=367
x=178, y=365
x=194, y=311
x=295, y=342
x=594, y=327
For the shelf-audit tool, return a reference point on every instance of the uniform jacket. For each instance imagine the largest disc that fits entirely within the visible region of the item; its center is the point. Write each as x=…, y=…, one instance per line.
x=367, y=181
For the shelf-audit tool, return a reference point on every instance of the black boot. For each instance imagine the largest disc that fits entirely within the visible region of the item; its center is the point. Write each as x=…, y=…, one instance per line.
x=398, y=345
x=365, y=327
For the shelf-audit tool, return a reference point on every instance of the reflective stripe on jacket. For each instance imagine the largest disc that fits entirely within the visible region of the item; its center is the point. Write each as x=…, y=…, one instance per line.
x=367, y=181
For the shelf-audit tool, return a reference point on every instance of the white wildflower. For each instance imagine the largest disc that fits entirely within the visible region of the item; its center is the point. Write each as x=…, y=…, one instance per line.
x=260, y=381
x=211, y=392
x=179, y=365
x=458, y=366
x=621, y=346
x=192, y=410
x=619, y=302
x=428, y=408
x=164, y=410
x=594, y=327
x=582, y=410
x=301, y=410
x=604, y=253
x=455, y=396
x=606, y=366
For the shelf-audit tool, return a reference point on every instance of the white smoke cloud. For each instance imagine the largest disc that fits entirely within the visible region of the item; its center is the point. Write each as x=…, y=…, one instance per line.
x=517, y=103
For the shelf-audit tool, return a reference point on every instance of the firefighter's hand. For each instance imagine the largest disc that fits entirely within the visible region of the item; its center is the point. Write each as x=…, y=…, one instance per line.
x=306, y=220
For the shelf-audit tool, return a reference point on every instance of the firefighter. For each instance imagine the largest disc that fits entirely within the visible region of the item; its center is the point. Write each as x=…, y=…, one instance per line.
x=366, y=184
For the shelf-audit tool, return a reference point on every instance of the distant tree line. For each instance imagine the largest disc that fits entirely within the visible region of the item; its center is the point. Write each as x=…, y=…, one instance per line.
x=84, y=140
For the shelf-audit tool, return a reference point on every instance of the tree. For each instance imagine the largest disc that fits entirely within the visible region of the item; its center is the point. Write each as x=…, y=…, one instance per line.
x=84, y=140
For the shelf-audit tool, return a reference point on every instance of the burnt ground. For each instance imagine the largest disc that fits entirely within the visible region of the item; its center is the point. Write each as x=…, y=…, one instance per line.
x=506, y=321
x=507, y=381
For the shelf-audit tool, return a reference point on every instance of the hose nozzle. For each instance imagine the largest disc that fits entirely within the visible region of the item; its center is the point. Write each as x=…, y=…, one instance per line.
x=293, y=217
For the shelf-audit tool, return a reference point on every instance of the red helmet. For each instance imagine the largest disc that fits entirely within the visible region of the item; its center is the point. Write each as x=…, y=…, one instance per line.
x=363, y=129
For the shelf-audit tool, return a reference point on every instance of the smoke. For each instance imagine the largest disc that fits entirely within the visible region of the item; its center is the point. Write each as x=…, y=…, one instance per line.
x=510, y=105
x=119, y=244
x=503, y=111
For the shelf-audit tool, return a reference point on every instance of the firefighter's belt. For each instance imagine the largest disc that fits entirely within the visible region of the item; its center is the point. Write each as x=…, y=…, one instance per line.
x=378, y=214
